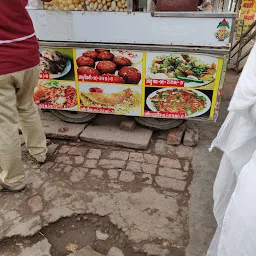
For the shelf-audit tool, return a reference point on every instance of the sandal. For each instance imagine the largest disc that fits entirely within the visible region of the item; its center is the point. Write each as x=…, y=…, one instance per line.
x=5, y=188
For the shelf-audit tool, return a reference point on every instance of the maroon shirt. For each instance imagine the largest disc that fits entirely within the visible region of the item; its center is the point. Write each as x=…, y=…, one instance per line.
x=15, y=22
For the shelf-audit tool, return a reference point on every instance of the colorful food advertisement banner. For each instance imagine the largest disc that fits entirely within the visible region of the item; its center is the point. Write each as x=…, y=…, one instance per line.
x=150, y=84
x=247, y=13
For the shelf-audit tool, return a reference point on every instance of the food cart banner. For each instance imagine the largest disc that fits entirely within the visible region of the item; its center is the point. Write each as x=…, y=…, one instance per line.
x=150, y=84
x=247, y=13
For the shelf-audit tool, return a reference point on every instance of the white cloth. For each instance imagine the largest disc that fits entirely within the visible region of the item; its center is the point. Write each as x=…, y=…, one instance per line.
x=234, y=188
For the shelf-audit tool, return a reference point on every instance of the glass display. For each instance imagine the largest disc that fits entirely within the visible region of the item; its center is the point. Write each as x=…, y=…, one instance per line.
x=66, y=5
x=106, y=5
x=134, y=5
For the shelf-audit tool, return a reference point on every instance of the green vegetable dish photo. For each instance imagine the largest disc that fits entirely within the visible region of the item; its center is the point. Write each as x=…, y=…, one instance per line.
x=191, y=69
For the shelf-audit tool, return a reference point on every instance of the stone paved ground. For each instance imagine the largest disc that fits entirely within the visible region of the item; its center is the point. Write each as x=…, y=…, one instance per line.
x=151, y=202
x=144, y=194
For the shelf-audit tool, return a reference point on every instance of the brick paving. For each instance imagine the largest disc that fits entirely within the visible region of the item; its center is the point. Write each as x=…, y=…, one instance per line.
x=139, y=191
x=122, y=165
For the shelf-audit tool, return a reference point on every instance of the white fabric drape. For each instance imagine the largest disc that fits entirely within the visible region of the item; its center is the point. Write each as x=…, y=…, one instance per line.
x=235, y=185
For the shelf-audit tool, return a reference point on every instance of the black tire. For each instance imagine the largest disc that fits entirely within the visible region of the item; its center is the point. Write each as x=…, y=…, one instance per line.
x=74, y=116
x=158, y=123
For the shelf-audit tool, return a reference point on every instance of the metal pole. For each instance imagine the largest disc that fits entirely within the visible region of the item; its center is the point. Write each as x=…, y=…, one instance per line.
x=130, y=5
x=226, y=5
x=233, y=6
x=244, y=34
x=239, y=53
x=239, y=2
x=216, y=5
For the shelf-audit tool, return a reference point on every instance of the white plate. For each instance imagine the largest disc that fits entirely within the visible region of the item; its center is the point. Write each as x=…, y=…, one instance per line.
x=65, y=71
x=205, y=58
x=199, y=93
x=187, y=85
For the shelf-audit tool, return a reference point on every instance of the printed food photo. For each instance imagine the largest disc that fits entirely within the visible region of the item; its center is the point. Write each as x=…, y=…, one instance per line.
x=56, y=64
x=192, y=70
x=54, y=94
x=109, y=66
x=191, y=103
x=120, y=99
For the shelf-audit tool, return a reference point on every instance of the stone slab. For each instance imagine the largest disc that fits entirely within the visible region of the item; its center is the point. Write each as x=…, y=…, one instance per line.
x=55, y=128
x=191, y=135
x=103, y=119
x=41, y=248
x=165, y=182
x=128, y=124
x=115, y=252
x=52, y=148
x=112, y=135
x=86, y=251
x=175, y=135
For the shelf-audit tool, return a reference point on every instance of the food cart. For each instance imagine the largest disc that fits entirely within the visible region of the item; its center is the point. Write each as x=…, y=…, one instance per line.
x=131, y=58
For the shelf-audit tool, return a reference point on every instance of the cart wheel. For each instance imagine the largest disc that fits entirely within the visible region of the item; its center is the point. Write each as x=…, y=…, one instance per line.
x=74, y=116
x=158, y=123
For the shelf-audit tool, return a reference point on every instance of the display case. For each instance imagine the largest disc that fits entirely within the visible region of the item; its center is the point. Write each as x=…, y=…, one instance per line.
x=65, y=5
x=83, y=5
x=108, y=5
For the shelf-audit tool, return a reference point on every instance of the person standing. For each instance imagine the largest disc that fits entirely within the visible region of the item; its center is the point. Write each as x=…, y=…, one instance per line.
x=19, y=74
x=234, y=188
